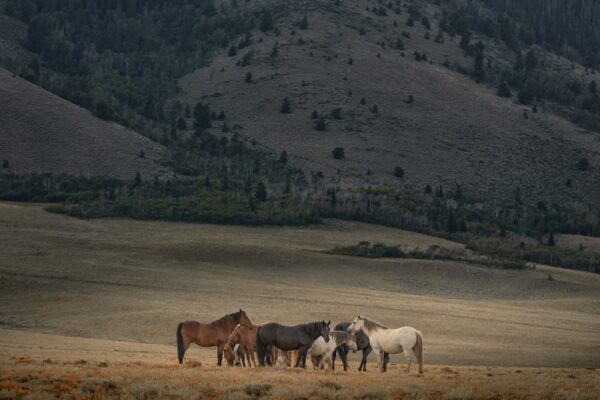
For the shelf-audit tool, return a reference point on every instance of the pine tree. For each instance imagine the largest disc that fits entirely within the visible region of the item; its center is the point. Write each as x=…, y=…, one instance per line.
x=283, y=157
x=304, y=23
x=286, y=106
x=338, y=153
x=202, y=116
x=138, y=179
x=503, y=90
x=261, y=192
x=551, y=241
x=321, y=124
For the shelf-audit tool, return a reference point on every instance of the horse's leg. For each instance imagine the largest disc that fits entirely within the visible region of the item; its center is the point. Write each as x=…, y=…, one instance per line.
x=248, y=357
x=220, y=347
x=386, y=359
x=254, y=358
x=301, y=360
x=333, y=358
x=379, y=358
x=321, y=361
x=343, y=352
x=410, y=356
x=366, y=353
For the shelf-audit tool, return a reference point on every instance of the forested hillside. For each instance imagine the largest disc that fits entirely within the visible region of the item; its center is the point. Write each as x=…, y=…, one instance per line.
x=571, y=28
x=469, y=119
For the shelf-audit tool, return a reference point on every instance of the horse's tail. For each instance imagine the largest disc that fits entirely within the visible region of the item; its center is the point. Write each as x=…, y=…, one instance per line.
x=261, y=349
x=418, y=349
x=180, y=347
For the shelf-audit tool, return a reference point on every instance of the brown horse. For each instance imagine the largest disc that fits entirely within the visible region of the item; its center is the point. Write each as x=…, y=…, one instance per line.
x=215, y=333
x=245, y=337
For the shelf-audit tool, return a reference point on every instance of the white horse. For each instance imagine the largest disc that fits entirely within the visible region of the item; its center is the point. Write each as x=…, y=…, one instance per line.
x=385, y=340
x=325, y=350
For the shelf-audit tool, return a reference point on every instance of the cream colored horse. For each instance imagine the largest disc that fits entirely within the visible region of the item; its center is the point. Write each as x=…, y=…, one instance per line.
x=325, y=350
x=393, y=341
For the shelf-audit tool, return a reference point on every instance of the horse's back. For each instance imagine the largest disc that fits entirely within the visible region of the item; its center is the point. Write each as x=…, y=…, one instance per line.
x=396, y=340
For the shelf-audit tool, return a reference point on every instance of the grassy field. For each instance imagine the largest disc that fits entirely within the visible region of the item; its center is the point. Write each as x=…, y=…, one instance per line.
x=112, y=291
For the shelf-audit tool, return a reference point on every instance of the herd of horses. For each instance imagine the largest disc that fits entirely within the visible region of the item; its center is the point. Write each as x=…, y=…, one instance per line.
x=259, y=345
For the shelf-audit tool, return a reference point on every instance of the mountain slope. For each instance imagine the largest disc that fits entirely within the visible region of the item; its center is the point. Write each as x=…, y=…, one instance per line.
x=40, y=132
x=455, y=132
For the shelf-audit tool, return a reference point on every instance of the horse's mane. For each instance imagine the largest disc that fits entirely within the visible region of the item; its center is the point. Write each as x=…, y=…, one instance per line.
x=371, y=325
x=235, y=335
x=235, y=316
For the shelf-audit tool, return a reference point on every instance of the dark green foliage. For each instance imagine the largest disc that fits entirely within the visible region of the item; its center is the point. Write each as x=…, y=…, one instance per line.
x=525, y=96
x=283, y=157
x=275, y=50
x=410, y=99
x=321, y=124
x=375, y=109
x=378, y=250
x=202, y=118
x=425, y=22
x=286, y=107
x=261, y=192
x=504, y=90
x=314, y=114
x=5, y=164
x=583, y=164
x=428, y=189
x=549, y=255
x=303, y=23
x=266, y=22
x=365, y=249
x=121, y=59
x=338, y=153
x=593, y=88
x=248, y=77
x=478, y=61
x=465, y=41
x=142, y=154
x=336, y=113
x=551, y=241
x=399, y=172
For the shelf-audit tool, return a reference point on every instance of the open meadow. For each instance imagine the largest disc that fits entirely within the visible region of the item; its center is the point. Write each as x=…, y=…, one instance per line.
x=88, y=309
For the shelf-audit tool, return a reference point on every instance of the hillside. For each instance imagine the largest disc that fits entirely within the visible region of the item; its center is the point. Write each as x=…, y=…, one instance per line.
x=40, y=132
x=456, y=132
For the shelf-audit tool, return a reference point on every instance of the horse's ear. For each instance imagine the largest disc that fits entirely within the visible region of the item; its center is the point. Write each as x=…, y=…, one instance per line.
x=241, y=311
x=329, y=323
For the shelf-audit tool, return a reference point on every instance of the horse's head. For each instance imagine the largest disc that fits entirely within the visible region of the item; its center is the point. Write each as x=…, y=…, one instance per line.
x=243, y=319
x=351, y=342
x=357, y=325
x=324, y=329
x=229, y=355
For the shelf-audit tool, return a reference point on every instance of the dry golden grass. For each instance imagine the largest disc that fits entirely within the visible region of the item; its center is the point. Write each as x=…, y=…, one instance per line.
x=166, y=379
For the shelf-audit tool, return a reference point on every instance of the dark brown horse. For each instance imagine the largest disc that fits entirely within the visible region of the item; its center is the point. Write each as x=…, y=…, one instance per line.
x=288, y=338
x=207, y=335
